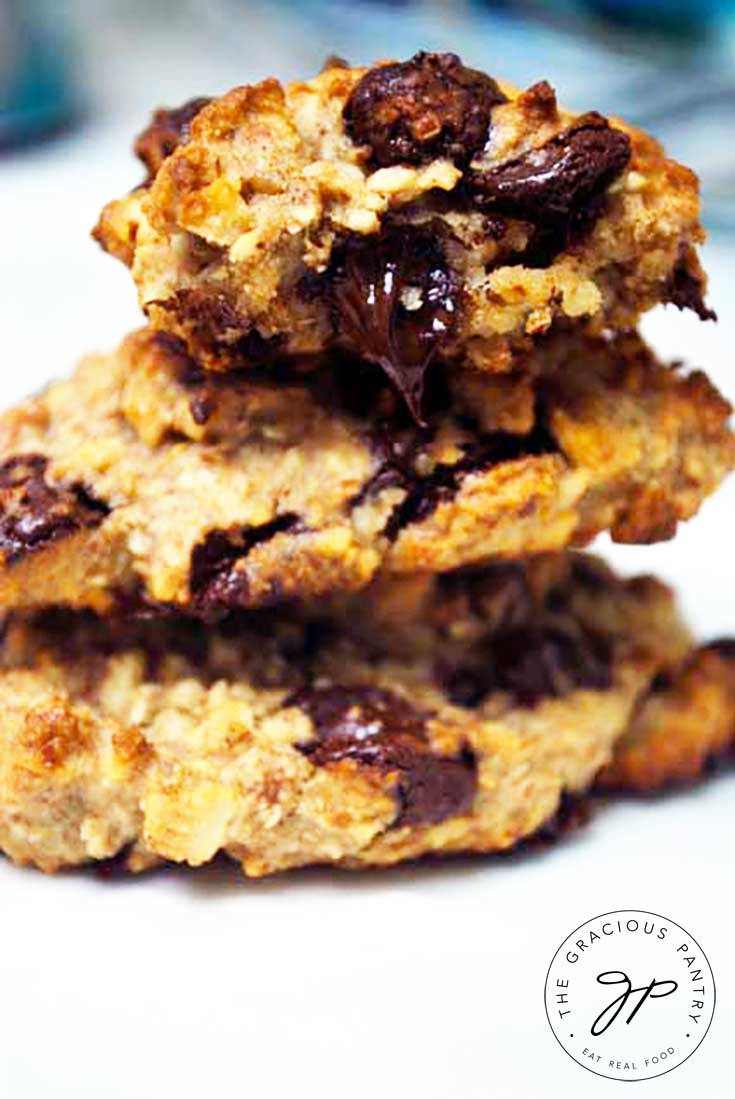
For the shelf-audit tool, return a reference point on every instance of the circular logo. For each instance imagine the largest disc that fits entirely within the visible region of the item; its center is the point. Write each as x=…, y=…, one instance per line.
x=629, y=995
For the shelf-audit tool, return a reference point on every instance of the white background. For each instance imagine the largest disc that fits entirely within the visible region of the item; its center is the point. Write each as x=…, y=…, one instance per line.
x=425, y=981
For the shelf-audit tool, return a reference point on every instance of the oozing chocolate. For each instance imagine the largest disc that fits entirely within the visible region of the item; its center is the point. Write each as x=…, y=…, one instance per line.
x=556, y=186
x=34, y=512
x=377, y=729
x=413, y=111
x=395, y=302
x=166, y=130
x=214, y=580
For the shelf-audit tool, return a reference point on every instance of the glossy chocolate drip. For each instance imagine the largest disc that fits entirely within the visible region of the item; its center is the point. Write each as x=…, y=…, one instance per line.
x=395, y=303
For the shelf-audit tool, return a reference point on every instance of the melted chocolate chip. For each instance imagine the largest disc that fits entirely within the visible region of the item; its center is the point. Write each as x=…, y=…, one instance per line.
x=210, y=312
x=427, y=493
x=166, y=130
x=34, y=512
x=558, y=186
x=531, y=662
x=395, y=303
x=685, y=292
x=413, y=111
x=376, y=728
x=215, y=581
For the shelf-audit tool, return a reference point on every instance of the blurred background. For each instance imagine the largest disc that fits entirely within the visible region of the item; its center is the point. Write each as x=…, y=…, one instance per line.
x=79, y=78
x=669, y=66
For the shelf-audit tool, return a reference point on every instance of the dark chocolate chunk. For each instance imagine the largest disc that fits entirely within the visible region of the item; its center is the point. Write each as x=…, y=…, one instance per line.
x=166, y=130
x=215, y=581
x=378, y=729
x=219, y=329
x=685, y=292
x=395, y=302
x=34, y=512
x=210, y=313
x=531, y=662
x=559, y=185
x=426, y=493
x=413, y=111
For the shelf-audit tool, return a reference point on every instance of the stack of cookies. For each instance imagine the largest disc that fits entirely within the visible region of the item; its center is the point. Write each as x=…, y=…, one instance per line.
x=294, y=574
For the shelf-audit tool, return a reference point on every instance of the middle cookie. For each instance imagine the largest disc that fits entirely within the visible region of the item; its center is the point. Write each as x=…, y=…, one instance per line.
x=142, y=479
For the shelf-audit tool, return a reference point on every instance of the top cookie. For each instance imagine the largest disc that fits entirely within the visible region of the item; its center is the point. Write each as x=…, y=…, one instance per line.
x=409, y=211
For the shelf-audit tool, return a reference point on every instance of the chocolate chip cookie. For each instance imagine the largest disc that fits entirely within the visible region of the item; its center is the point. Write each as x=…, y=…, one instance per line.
x=426, y=716
x=409, y=212
x=144, y=480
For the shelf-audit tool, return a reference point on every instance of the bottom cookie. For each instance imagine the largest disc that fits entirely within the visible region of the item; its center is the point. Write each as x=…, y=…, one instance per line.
x=428, y=715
